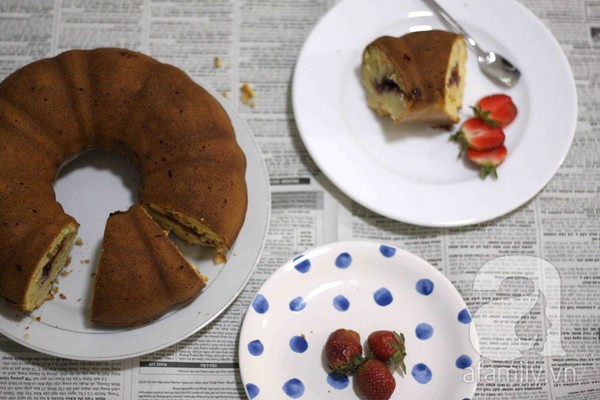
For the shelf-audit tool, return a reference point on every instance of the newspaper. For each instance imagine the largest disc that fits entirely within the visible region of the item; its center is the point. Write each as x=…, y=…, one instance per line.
x=257, y=42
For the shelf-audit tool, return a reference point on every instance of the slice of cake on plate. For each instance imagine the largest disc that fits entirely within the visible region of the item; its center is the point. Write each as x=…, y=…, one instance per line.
x=141, y=273
x=418, y=77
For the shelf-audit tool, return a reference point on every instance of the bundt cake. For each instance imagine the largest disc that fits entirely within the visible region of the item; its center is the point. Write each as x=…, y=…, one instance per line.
x=141, y=273
x=175, y=133
x=418, y=77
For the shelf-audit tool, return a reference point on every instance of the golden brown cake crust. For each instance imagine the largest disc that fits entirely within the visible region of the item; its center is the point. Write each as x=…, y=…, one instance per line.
x=141, y=273
x=422, y=60
x=176, y=134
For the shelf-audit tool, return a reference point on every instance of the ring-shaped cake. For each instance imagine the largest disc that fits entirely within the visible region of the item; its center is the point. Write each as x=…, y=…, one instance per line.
x=175, y=133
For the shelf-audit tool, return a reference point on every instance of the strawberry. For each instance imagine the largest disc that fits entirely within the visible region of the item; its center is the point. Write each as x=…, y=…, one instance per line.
x=388, y=347
x=374, y=380
x=343, y=351
x=497, y=110
x=474, y=133
x=488, y=160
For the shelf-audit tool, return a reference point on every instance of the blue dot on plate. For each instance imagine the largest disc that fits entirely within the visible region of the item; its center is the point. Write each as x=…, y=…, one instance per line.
x=424, y=286
x=260, y=304
x=464, y=316
x=252, y=390
x=421, y=373
x=298, y=344
x=297, y=304
x=256, y=347
x=424, y=331
x=302, y=266
x=341, y=303
x=463, y=362
x=294, y=388
x=338, y=381
x=387, y=251
x=383, y=297
x=343, y=260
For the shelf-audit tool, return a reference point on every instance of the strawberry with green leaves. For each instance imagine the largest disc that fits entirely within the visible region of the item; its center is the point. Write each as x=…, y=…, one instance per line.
x=343, y=351
x=475, y=134
x=389, y=348
x=497, y=110
x=374, y=380
x=487, y=160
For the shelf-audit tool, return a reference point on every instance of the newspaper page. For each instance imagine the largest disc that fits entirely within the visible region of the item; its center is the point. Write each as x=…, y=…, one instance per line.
x=552, y=242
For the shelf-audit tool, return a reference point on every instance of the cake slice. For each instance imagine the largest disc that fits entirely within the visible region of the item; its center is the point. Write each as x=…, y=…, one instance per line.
x=141, y=273
x=26, y=276
x=418, y=77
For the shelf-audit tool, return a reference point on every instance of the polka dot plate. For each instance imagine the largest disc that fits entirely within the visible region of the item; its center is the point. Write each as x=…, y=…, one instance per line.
x=364, y=286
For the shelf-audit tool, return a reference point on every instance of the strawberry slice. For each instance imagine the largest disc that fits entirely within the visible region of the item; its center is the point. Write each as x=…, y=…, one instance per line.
x=488, y=160
x=497, y=110
x=475, y=134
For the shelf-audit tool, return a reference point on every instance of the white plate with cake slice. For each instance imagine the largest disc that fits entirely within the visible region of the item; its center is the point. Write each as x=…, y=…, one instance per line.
x=90, y=188
x=412, y=172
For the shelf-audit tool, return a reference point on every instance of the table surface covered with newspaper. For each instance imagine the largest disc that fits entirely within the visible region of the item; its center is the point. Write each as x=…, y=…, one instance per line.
x=228, y=44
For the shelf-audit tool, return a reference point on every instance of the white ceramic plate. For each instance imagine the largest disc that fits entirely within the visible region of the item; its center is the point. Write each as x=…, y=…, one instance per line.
x=411, y=173
x=365, y=286
x=64, y=329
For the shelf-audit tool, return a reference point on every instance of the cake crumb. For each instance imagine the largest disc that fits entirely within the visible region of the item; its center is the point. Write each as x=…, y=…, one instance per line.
x=248, y=95
x=26, y=336
x=86, y=261
x=225, y=94
x=38, y=318
x=220, y=259
x=55, y=289
x=218, y=62
x=79, y=242
x=69, y=259
x=65, y=272
x=62, y=296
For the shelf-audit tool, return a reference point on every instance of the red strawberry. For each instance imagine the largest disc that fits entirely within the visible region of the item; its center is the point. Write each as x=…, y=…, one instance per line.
x=343, y=351
x=388, y=347
x=476, y=134
x=374, y=380
x=488, y=160
x=497, y=110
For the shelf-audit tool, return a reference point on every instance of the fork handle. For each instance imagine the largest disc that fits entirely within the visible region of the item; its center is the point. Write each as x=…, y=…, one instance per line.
x=453, y=25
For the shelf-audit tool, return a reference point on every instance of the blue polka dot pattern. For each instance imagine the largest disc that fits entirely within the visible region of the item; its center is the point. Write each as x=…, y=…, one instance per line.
x=341, y=303
x=302, y=266
x=260, y=304
x=298, y=344
x=256, y=347
x=252, y=390
x=294, y=388
x=297, y=304
x=463, y=361
x=299, y=295
x=338, y=381
x=387, y=251
x=343, y=260
x=424, y=286
x=464, y=317
x=421, y=373
x=424, y=331
x=383, y=297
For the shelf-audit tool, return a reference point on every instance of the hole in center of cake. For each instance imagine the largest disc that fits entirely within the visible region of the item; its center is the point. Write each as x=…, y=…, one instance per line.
x=91, y=187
